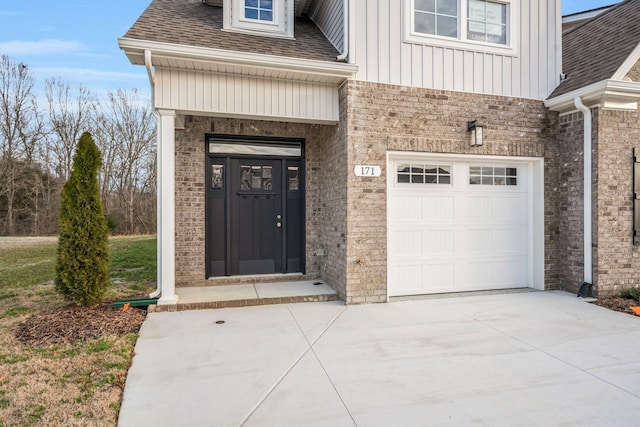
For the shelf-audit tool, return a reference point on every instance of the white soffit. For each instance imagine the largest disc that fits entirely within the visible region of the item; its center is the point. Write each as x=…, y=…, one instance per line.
x=231, y=62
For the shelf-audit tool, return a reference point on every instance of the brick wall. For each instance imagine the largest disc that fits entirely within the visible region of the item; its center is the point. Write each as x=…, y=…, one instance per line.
x=346, y=216
x=387, y=117
x=325, y=227
x=618, y=260
x=331, y=201
x=569, y=207
x=634, y=73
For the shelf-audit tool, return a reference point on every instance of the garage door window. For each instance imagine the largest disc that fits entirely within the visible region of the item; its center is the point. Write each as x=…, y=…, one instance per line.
x=422, y=173
x=489, y=175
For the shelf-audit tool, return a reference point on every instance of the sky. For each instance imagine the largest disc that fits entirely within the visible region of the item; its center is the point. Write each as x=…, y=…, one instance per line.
x=77, y=40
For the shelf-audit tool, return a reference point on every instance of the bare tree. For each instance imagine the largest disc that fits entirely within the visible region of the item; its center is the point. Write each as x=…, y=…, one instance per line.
x=36, y=152
x=21, y=130
x=126, y=137
x=70, y=114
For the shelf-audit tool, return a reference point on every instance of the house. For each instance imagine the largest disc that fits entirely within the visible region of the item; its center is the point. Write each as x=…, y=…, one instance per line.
x=386, y=147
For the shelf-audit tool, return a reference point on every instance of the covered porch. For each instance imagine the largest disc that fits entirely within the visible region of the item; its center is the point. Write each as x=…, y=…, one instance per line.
x=200, y=91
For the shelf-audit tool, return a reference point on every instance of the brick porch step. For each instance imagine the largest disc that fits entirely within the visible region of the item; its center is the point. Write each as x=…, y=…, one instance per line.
x=252, y=294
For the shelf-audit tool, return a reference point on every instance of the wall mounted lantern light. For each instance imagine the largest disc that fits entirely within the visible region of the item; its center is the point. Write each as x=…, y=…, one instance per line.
x=475, y=131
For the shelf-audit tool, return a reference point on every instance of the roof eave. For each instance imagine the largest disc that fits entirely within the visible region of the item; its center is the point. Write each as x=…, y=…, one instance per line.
x=610, y=94
x=199, y=58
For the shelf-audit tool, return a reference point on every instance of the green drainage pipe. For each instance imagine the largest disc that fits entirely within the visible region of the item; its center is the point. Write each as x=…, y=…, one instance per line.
x=134, y=302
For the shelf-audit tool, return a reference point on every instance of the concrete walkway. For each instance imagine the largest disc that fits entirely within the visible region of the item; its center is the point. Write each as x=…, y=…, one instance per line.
x=525, y=359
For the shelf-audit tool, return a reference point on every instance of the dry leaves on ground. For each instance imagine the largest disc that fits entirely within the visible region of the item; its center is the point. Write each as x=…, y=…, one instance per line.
x=617, y=304
x=70, y=323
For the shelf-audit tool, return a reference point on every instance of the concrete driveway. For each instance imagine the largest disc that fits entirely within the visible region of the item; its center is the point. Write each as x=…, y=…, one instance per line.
x=524, y=359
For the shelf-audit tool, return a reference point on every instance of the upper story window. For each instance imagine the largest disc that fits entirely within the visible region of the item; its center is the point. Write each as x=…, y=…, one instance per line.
x=436, y=17
x=487, y=22
x=261, y=10
x=273, y=18
x=483, y=25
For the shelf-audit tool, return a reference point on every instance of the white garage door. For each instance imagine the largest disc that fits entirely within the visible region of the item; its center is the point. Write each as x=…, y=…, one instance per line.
x=458, y=225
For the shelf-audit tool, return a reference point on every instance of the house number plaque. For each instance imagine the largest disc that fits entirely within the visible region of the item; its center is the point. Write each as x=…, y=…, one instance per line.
x=364, y=170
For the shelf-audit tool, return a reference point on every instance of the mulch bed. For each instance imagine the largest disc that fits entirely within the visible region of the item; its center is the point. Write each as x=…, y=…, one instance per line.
x=618, y=304
x=69, y=324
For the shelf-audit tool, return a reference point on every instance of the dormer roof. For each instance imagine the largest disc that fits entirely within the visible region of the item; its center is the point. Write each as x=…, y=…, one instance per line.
x=193, y=23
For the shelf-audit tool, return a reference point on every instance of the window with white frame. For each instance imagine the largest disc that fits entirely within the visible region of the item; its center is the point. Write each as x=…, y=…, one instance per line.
x=489, y=175
x=260, y=10
x=449, y=23
x=272, y=18
x=436, y=17
x=422, y=173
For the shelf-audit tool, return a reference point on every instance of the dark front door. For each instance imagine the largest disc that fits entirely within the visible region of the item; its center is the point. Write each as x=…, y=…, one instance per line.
x=255, y=216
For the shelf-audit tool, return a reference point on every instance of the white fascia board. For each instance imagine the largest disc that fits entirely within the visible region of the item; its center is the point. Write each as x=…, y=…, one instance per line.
x=622, y=94
x=229, y=57
x=626, y=66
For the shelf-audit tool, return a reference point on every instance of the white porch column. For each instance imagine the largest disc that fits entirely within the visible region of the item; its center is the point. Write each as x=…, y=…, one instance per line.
x=166, y=207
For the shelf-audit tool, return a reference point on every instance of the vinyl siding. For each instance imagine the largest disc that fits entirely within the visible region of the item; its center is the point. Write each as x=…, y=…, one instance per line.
x=378, y=46
x=327, y=14
x=245, y=96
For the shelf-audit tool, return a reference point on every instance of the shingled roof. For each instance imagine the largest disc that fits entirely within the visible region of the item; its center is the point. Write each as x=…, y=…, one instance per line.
x=193, y=23
x=595, y=50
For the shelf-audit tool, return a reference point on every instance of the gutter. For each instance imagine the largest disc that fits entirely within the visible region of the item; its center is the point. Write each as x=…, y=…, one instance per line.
x=235, y=58
x=152, y=80
x=585, y=289
x=345, y=39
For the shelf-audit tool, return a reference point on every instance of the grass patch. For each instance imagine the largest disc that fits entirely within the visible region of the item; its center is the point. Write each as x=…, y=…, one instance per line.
x=99, y=345
x=23, y=267
x=17, y=311
x=68, y=384
x=133, y=261
x=35, y=414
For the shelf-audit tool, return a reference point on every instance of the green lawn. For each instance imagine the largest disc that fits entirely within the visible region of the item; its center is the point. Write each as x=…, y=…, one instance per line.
x=27, y=273
x=79, y=383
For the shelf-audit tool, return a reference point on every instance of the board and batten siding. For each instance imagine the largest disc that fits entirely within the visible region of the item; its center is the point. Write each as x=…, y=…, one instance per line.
x=327, y=15
x=228, y=95
x=377, y=45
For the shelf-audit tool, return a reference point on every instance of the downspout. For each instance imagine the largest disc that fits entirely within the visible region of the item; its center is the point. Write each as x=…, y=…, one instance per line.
x=345, y=38
x=585, y=289
x=152, y=79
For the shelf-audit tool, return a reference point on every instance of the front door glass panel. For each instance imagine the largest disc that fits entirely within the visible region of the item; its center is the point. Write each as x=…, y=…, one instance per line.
x=217, y=177
x=256, y=177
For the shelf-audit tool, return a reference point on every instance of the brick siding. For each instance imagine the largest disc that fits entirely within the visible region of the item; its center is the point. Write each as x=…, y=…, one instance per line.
x=618, y=260
x=324, y=203
x=634, y=73
x=398, y=118
x=569, y=207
